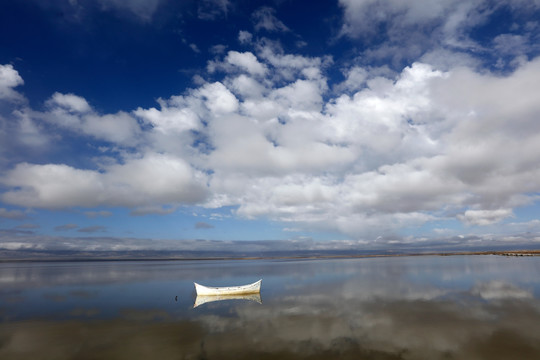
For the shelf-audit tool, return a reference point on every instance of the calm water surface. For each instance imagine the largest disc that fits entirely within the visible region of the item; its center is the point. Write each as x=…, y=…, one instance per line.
x=452, y=307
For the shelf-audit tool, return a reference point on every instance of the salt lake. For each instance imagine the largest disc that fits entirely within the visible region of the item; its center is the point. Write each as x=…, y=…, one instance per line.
x=411, y=307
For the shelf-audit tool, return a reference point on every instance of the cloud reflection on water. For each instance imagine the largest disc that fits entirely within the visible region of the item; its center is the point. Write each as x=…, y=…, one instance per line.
x=431, y=308
x=300, y=327
x=413, y=328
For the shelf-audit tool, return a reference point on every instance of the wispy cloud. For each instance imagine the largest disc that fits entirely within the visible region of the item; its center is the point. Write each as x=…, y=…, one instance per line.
x=93, y=229
x=28, y=226
x=397, y=31
x=203, y=225
x=265, y=19
x=12, y=214
x=24, y=240
x=95, y=214
x=66, y=227
x=212, y=9
x=142, y=9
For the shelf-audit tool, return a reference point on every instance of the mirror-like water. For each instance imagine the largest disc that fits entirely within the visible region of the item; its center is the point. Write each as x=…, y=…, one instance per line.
x=448, y=307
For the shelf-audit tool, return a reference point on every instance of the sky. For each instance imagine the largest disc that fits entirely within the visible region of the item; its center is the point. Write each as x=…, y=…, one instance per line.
x=160, y=124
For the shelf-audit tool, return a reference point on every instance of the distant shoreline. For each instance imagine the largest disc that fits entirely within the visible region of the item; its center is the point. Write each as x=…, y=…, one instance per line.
x=132, y=257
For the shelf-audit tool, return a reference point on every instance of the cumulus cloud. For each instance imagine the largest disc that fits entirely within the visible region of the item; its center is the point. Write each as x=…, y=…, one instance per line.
x=177, y=114
x=380, y=151
x=73, y=112
x=484, y=217
x=28, y=132
x=289, y=66
x=218, y=99
x=70, y=102
x=9, y=79
x=399, y=148
x=244, y=62
x=148, y=180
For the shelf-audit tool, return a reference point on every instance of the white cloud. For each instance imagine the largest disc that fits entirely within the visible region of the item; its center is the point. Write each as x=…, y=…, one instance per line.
x=9, y=79
x=484, y=217
x=289, y=67
x=405, y=150
x=273, y=54
x=218, y=99
x=395, y=150
x=70, y=102
x=264, y=18
x=29, y=132
x=73, y=112
x=236, y=61
x=19, y=245
x=356, y=77
x=177, y=114
x=244, y=37
x=446, y=60
x=247, y=87
x=246, y=61
x=20, y=133
x=255, y=140
x=51, y=185
x=118, y=128
x=149, y=180
x=302, y=95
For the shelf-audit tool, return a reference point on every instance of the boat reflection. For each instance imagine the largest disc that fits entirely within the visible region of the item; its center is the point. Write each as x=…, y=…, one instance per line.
x=203, y=299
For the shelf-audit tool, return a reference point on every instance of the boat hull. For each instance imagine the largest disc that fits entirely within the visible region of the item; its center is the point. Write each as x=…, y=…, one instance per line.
x=229, y=290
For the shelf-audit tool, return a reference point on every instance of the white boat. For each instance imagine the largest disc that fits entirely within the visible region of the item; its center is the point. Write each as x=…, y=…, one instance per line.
x=229, y=290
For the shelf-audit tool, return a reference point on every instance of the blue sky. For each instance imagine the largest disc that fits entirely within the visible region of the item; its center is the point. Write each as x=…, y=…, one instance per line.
x=361, y=123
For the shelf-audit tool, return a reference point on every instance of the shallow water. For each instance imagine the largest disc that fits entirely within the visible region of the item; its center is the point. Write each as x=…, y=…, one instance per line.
x=432, y=307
